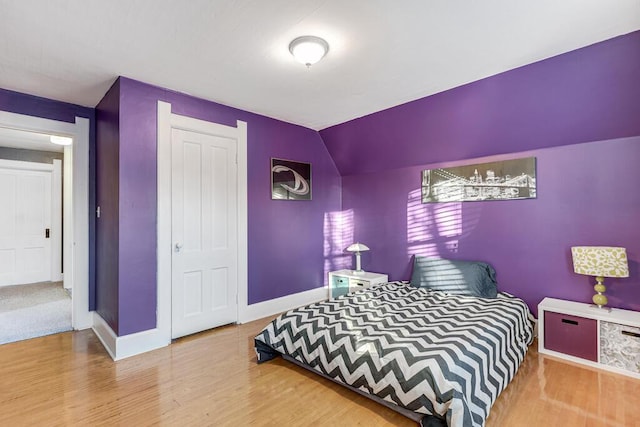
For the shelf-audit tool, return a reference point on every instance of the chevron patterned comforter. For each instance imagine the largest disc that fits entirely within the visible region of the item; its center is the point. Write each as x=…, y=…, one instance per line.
x=434, y=354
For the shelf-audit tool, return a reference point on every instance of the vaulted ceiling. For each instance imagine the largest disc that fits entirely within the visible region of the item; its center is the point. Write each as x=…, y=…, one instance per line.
x=382, y=52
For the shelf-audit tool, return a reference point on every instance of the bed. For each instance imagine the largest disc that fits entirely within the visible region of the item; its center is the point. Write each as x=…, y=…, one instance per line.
x=436, y=357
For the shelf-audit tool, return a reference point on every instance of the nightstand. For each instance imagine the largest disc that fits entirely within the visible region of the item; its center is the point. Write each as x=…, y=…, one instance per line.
x=342, y=282
x=585, y=334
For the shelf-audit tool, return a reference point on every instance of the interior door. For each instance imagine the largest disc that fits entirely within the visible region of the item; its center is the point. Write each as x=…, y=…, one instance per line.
x=25, y=218
x=204, y=232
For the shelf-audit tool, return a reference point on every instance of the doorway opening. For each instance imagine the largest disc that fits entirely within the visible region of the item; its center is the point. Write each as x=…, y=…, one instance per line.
x=34, y=301
x=68, y=260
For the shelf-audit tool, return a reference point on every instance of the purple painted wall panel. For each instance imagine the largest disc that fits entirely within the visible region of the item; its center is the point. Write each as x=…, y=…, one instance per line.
x=107, y=197
x=285, y=238
x=137, y=275
x=20, y=103
x=587, y=195
x=286, y=252
x=589, y=94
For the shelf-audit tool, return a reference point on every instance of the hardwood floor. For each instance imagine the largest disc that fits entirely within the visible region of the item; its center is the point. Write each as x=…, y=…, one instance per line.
x=212, y=378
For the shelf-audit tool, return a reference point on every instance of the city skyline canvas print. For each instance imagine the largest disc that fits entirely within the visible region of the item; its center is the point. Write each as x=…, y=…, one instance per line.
x=501, y=180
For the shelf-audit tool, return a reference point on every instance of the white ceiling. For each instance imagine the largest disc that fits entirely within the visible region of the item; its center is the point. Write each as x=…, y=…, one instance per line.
x=16, y=138
x=383, y=52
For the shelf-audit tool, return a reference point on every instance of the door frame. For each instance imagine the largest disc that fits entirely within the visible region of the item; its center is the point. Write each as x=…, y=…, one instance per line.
x=166, y=122
x=76, y=247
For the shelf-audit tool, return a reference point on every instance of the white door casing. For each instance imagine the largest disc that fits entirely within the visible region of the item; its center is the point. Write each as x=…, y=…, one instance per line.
x=56, y=222
x=167, y=121
x=76, y=261
x=204, y=232
x=25, y=250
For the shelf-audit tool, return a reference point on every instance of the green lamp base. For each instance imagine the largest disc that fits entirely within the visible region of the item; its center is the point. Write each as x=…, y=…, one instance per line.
x=600, y=299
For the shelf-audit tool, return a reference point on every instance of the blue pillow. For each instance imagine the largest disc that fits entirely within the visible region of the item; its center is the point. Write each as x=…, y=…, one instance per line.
x=455, y=277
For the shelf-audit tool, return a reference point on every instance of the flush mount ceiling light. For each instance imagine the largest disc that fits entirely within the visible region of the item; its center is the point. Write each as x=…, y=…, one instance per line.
x=308, y=50
x=60, y=140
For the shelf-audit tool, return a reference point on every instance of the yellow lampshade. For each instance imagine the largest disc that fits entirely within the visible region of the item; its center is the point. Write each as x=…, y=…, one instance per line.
x=600, y=261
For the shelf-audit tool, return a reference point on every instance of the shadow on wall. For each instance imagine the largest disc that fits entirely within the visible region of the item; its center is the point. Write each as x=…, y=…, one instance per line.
x=437, y=229
x=613, y=283
x=338, y=234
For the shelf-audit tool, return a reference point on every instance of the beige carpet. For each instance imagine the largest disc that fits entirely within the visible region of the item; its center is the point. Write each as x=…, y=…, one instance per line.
x=29, y=311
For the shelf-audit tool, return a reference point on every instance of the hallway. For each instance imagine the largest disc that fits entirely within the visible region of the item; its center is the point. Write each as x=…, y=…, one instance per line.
x=33, y=310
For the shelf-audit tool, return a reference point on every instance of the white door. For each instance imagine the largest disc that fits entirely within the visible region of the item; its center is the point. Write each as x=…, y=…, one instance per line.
x=204, y=232
x=25, y=217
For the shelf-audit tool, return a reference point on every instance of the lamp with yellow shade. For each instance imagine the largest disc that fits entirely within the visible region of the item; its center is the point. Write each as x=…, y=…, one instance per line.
x=601, y=262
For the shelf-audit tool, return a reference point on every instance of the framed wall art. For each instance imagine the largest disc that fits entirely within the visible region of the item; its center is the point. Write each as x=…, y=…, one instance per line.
x=501, y=180
x=290, y=180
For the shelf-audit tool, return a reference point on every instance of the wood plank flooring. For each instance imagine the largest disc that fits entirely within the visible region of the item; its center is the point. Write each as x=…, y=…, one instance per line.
x=212, y=379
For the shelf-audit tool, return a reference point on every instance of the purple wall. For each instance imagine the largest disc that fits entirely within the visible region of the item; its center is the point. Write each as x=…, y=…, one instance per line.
x=587, y=193
x=29, y=105
x=589, y=94
x=107, y=197
x=285, y=238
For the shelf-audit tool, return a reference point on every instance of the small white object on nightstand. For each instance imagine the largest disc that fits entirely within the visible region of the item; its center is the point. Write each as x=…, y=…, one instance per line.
x=342, y=282
x=356, y=248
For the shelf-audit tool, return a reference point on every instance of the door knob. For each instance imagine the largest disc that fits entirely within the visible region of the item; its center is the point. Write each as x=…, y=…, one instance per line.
x=178, y=247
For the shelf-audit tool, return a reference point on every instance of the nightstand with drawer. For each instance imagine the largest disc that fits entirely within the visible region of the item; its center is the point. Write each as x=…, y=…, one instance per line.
x=342, y=282
x=586, y=334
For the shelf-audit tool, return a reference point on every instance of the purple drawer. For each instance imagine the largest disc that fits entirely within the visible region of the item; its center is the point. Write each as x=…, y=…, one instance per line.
x=572, y=335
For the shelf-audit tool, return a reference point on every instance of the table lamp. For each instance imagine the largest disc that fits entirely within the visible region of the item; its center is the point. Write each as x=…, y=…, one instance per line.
x=357, y=248
x=601, y=262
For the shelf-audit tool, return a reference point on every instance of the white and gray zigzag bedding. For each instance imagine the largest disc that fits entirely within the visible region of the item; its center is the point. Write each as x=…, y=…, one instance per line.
x=428, y=352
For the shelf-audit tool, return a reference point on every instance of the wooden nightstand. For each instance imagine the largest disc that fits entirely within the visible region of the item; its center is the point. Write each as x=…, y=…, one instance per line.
x=585, y=334
x=342, y=282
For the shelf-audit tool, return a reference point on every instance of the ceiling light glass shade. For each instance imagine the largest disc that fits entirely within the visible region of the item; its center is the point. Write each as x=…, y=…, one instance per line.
x=60, y=140
x=308, y=50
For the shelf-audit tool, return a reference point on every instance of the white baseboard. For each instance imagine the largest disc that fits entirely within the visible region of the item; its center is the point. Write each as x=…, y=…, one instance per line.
x=127, y=345
x=83, y=320
x=278, y=305
x=141, y=342
x=105, y=334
